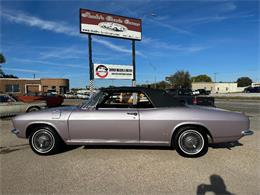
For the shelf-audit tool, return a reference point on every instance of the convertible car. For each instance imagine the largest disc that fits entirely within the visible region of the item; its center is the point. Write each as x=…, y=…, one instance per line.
x=131, y=116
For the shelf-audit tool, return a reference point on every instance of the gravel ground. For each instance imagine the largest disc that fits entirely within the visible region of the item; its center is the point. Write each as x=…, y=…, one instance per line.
x=132, y=170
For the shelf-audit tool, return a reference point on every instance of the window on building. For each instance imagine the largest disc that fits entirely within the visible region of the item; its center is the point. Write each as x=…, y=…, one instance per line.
x=12, y=88
x=226, y=88
x=218, y=88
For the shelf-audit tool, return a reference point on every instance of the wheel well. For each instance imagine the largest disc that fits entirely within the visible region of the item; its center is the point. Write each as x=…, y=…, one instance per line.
x=210, y=138
x=32, y=107
x=31, y=127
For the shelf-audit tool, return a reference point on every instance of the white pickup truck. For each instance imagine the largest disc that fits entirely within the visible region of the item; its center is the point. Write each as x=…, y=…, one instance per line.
x=9, y=106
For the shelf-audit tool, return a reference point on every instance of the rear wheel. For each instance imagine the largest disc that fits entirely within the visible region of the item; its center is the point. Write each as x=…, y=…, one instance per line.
x=33, y=109
x=191, y=142
x=44, y=141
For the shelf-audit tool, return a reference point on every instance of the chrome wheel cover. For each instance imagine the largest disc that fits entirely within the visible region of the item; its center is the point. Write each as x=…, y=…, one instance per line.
x=43, y=141
x=191, y=142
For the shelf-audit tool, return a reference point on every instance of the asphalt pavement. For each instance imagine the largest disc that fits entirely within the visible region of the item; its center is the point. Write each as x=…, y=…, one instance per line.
x=226, y=168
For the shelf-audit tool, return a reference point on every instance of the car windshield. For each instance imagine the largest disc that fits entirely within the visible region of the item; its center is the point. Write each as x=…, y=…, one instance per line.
x=92, y=101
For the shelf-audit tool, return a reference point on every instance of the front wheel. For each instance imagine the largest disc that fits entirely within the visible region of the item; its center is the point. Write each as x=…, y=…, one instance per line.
x=44, y=141
x=191, y=142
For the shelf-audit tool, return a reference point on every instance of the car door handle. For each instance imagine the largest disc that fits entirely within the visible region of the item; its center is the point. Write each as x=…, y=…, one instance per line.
x=132, y=113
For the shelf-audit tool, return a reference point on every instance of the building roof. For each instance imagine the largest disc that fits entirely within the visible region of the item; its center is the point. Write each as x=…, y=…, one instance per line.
x=158, y=97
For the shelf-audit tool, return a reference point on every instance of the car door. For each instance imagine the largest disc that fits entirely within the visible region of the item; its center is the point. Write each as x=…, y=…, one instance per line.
x=9, y=106
x=155, y=128
x=113, y=121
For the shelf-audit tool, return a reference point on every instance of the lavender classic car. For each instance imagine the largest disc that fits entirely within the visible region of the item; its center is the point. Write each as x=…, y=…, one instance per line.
x=131, y=116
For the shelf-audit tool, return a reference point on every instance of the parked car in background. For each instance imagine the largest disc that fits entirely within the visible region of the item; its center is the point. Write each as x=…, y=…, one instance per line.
x=70, y=95
x=9, y=106
x=51, y=92
x=84, y=96
x=201, y=92
x=132, y=116
x=51, y=99
x=186, y=97
x=252, y=90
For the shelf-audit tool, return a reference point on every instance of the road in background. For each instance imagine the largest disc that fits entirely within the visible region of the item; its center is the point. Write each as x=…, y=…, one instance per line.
x=233, y=168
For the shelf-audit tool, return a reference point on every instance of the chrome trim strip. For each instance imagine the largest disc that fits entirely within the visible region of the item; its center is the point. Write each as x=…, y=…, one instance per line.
x=247, y=132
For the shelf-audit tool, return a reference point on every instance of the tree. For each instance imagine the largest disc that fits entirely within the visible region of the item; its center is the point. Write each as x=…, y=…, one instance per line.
x=2, y=58
x=162, y=85
x=181, y=79
x=2, y=74
x=201, y=78
x=244, y=81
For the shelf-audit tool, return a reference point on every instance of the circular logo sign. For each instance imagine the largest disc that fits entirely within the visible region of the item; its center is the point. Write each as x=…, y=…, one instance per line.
x=101, y=71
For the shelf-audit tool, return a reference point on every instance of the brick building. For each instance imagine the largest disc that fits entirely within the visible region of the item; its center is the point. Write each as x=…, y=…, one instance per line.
x=20, y=86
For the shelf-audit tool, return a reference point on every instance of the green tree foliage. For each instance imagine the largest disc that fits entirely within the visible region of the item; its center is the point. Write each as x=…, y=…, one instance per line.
x=180, y=79
x=244, y=81
x=2, y=74
x=2, y=58
x=201, y=78
x=159, y=85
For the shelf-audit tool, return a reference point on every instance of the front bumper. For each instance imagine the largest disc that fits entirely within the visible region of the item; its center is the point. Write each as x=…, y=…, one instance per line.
x=15, y=131
x=247, y=132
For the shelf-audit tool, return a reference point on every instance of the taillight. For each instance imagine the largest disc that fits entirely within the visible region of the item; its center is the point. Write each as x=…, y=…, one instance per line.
x=194, y=100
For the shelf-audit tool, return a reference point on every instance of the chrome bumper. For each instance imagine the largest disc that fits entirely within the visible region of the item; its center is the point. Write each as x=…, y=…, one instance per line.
x=247, y=132
x=15, y=131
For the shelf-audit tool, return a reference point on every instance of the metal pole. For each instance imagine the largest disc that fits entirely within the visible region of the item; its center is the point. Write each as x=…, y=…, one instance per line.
x=91, y=76
x=133, y=58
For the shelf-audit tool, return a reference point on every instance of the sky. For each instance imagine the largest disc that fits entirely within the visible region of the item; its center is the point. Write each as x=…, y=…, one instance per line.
x=217, y=38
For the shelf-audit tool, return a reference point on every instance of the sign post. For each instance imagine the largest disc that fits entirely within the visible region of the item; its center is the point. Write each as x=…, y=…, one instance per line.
x=91, y=76
x=133, y=58
x=105, y=24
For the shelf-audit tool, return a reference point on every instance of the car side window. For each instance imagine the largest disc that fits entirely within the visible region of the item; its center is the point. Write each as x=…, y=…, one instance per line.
x=118, y=100
x=4, y=99
x=143, y=101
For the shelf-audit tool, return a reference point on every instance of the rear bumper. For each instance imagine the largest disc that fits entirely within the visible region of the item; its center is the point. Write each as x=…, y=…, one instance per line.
x=247, y=132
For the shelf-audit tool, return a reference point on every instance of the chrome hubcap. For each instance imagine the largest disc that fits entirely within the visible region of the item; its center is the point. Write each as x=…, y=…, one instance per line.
x=43, y=141
x=191, y=142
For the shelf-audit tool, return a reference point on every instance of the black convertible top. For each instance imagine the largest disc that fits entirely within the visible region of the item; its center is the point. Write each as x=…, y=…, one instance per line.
x=158, y=97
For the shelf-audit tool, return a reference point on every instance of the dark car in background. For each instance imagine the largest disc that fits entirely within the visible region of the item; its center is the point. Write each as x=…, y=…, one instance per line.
x=252, y=90
x=203, y=91
x=186, y=96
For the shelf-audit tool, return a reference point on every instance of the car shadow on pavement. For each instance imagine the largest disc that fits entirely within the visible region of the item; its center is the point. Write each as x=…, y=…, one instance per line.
x=217, y=186
x=228, y=145
x=68, y=148
x=9, y=149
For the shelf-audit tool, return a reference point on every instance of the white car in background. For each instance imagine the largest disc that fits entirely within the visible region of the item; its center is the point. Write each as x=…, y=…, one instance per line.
x=70, y=95
x=84, y=96
x=9, y=106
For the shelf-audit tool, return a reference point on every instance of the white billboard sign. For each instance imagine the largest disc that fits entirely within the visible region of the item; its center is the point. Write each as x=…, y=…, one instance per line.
x=111, y=71
x=99, y=23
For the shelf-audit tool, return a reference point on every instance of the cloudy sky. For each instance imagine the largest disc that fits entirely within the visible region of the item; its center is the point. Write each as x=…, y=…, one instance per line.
x=202, y=37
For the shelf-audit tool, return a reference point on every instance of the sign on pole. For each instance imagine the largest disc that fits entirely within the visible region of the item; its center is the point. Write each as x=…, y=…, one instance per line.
x=111, y=71
x=98, y=23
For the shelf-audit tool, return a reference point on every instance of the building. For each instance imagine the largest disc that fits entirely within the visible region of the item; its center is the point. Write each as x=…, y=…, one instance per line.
x=20, y=86
x=255, y=85
x=225, y=87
